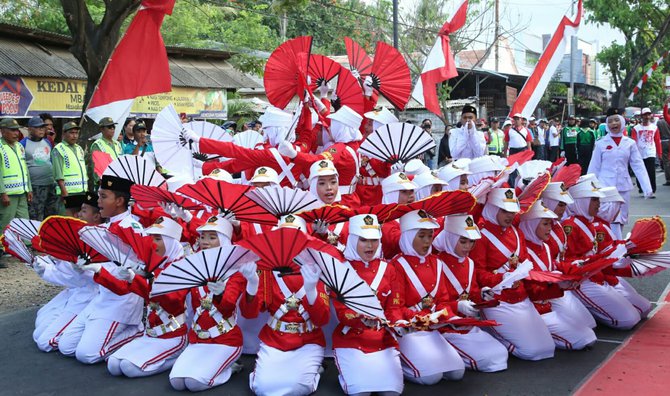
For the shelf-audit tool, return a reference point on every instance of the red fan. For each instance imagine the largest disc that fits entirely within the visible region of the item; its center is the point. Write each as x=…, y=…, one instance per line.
x=12, y=244
x=149, y=197
x=101, y=161
x=286, y=71
x=384, y=212
x=647, y=236
x=277, y=248
x=446, y=203
x=568, y=175
x=558, y=165
x=520, y=157
x=329, y=214
x=551, y=277
x=359, y=61
x=390, y=75
x=533, y=191
x=322, y=69
x=592, y=267
x=456, y=321
x=143, y=246
x=229, y=199
x=349, y=91
x=59, y=236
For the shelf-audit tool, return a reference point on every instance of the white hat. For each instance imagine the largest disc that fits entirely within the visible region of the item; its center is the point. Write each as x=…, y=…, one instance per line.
x=347, y=116
x=218, y=224
x=518, y=115
x=415, y=167
x=463, y=225
x=538, y=211
x=558, y=192
x=275, y=117
x=507, y=122
x=590, y=177
x=365, y=226
x=165, y=226
x=427, y=179
x=322, y=168
x=417, y=219
x=220, y=174
x=265, y=174
x=611, y=194
x=382, y=116
x=485, y=163
x=292, y=221
x=531, y=119
x=586, y=189
x=637, y=113
x=504, y=198
x=646, y=110
x=397, y=182
x=452, y=171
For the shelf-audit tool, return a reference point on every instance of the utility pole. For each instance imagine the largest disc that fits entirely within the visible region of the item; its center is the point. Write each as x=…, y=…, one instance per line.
x=573, y=51
x=395, y=24
x=497, y=35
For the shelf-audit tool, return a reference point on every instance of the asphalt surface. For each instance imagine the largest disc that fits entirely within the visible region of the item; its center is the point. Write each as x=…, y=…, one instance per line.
x=26, y=371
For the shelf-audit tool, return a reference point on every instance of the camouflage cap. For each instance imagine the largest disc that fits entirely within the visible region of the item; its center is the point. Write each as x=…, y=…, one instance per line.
x=9, y=123
x=70, y=125
x=106, y=121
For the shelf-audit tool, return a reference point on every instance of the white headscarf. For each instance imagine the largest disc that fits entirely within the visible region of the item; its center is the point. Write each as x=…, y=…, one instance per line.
x=529, y=227
x=343, y=133
x=406, y=244
x=173, y=249
x=551, y=204
x=350, y=252
x=446, y=242
x=423, y=192
x=312, y=189
x=490, y=213
x=277, y=135
x=391, y=197
x=580, y=208
x=623, y=126
x=224, y=240
x=477, y=177
x=609, y=210
x=454, y=184
x=376, y=125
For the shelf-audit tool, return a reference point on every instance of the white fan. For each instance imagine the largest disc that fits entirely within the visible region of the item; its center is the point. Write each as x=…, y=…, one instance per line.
x=172, y=150
x=648, y=264
x=110, y=246
x=16, y=248
x=27, y=229
x=281, y=201
x=532, y=169
x=397, y=141
x=248, y=139
x=135, y=169
x=210, y=131
x=209, y=265
x=342, y=279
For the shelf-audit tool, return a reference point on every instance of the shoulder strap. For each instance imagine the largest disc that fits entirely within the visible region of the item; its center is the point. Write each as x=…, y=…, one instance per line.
x=497, y=243
x=374, y=285
x=286, y=168
x=285, y=290
x=558, y=241
x=413, y=278
x=454, y=280
x=540, y=263
x=584, y=228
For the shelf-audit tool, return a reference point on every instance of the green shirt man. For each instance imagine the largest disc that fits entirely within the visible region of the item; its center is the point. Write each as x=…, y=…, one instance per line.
x=107, y=144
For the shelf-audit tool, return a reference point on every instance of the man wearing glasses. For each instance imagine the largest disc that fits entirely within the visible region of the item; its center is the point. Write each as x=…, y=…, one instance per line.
x=107, y=144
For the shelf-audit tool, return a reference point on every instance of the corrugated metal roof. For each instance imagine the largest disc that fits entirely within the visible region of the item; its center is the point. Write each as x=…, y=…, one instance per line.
x=21, y=57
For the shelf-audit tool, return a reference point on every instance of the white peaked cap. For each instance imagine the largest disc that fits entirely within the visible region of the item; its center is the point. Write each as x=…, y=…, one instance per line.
x=365, y=226
x=538, y=211
x=485, y=163
x=504, y=198
x=452, y=171
x=382, y=116
x=463, y=225
x=646, y=110
x=586, y=189
x=397, y=182
x=218, y=224
x=518, y=115
x=427, y=179
x=265, y=174
x=165, y=226
x=507, y=122
x=322, y=168
x=415, y=167
x=590, y=177
x=220, y=174
x=558, y=192
x=347, y=116
x=611, y=194
x=292, y=221
x=417, y=219
x=275, y=117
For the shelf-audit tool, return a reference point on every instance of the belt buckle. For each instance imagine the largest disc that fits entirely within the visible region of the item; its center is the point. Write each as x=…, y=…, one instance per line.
x=203, y=335
x=427, y=302
x=206, y=303
x=292, y=328
x=221, y=328
x=151, y=333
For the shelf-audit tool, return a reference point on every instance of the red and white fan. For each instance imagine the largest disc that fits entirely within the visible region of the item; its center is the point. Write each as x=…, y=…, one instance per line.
x=59, y=236
x=396, y=142
x=445, y=203
x=568, y=175
x=321, y=70
x=110, y=246
x=281, y=201
x=209, y=265
x=390, y=75
x=149, y=197
x=209, y=131
x=25, y=228
x=533, y=191
x=12, y=244
x=136, y=169
x=171, y=147
x=348, y=92
x=327, y=214
x=360, y=63
x=647, y=236
x=384, y=212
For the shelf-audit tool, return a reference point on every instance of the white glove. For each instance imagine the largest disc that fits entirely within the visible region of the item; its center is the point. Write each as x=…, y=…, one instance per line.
x=39, y=268
x=189, y=135
x=487, y=294
x=323, y=90
x=401, y=328
x=397, y=167
x=310, y=276
x=470, y=126
x=93, y=267
x=622, y=263
x=567, y=285
x=286, y=149
x=467, y=308
x=183, y=214
x=367, y=86
x=169, y=208
x=230, y=216
x=248, y=271
x=508, y=274
x=197, y=164
x=126, y=274
x=216, y=288
x=562, y=154
x=333, y=95
x=320, y=227
x=371, y=323
x=320, y=107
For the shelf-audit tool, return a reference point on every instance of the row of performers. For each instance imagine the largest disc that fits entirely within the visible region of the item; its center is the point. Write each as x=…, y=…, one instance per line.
x=424, y=271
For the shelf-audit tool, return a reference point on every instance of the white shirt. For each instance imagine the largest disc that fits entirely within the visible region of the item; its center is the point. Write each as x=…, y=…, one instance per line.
x=467, y=143
x=610, y=164
x=541, y=133
x=553, y=136
x=517, y=138
x=645, y=139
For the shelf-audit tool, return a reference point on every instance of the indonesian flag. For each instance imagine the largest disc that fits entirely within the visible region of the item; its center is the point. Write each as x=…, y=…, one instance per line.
x=532, y=91
x=440, y=65
x=138, y=66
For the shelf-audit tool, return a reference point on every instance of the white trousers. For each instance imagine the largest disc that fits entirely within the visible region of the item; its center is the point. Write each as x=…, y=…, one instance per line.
x=284, y=373
x=640, y=303
x=569, y=306
x=369, y=372
x=426, y=354
x=203, y=366
x=479, y=350
x=608, y=306
x=145, y=356
x=622, y=217
x=48, y=338
x=250, y=329
x=521, y=330
x=568, y=334
x=49, y=312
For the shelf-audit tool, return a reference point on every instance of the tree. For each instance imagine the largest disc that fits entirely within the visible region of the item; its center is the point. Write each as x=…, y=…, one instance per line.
x=645, y=24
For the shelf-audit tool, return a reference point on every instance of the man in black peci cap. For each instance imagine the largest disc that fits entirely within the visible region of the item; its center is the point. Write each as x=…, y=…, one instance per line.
x=467, y=141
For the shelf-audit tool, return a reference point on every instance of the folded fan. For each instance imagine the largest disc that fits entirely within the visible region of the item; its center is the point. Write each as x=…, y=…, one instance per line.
x=328, y=214
x=398, y=141
x=149, y=197
x=647, y=236
x=12, y=244
x=460, y=322
x=344, y=282
x=25, y=228
x=552, y=277
x=384, y=212
x=209, y=265
x=445, y=203
x=520, y=273
x=136, y=169
x=281, y=201
x=59, y=236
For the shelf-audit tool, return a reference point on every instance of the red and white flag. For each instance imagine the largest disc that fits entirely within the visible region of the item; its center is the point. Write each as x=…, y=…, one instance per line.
x=138, y=66
x=532, y=91
x=646, y=75
x=440, y=65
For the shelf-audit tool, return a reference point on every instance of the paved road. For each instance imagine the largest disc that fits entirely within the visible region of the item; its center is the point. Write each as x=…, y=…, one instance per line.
x=26, y=371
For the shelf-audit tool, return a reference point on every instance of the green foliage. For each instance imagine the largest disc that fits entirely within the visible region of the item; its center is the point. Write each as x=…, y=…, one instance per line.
x=43, y=14
x=554, y=98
